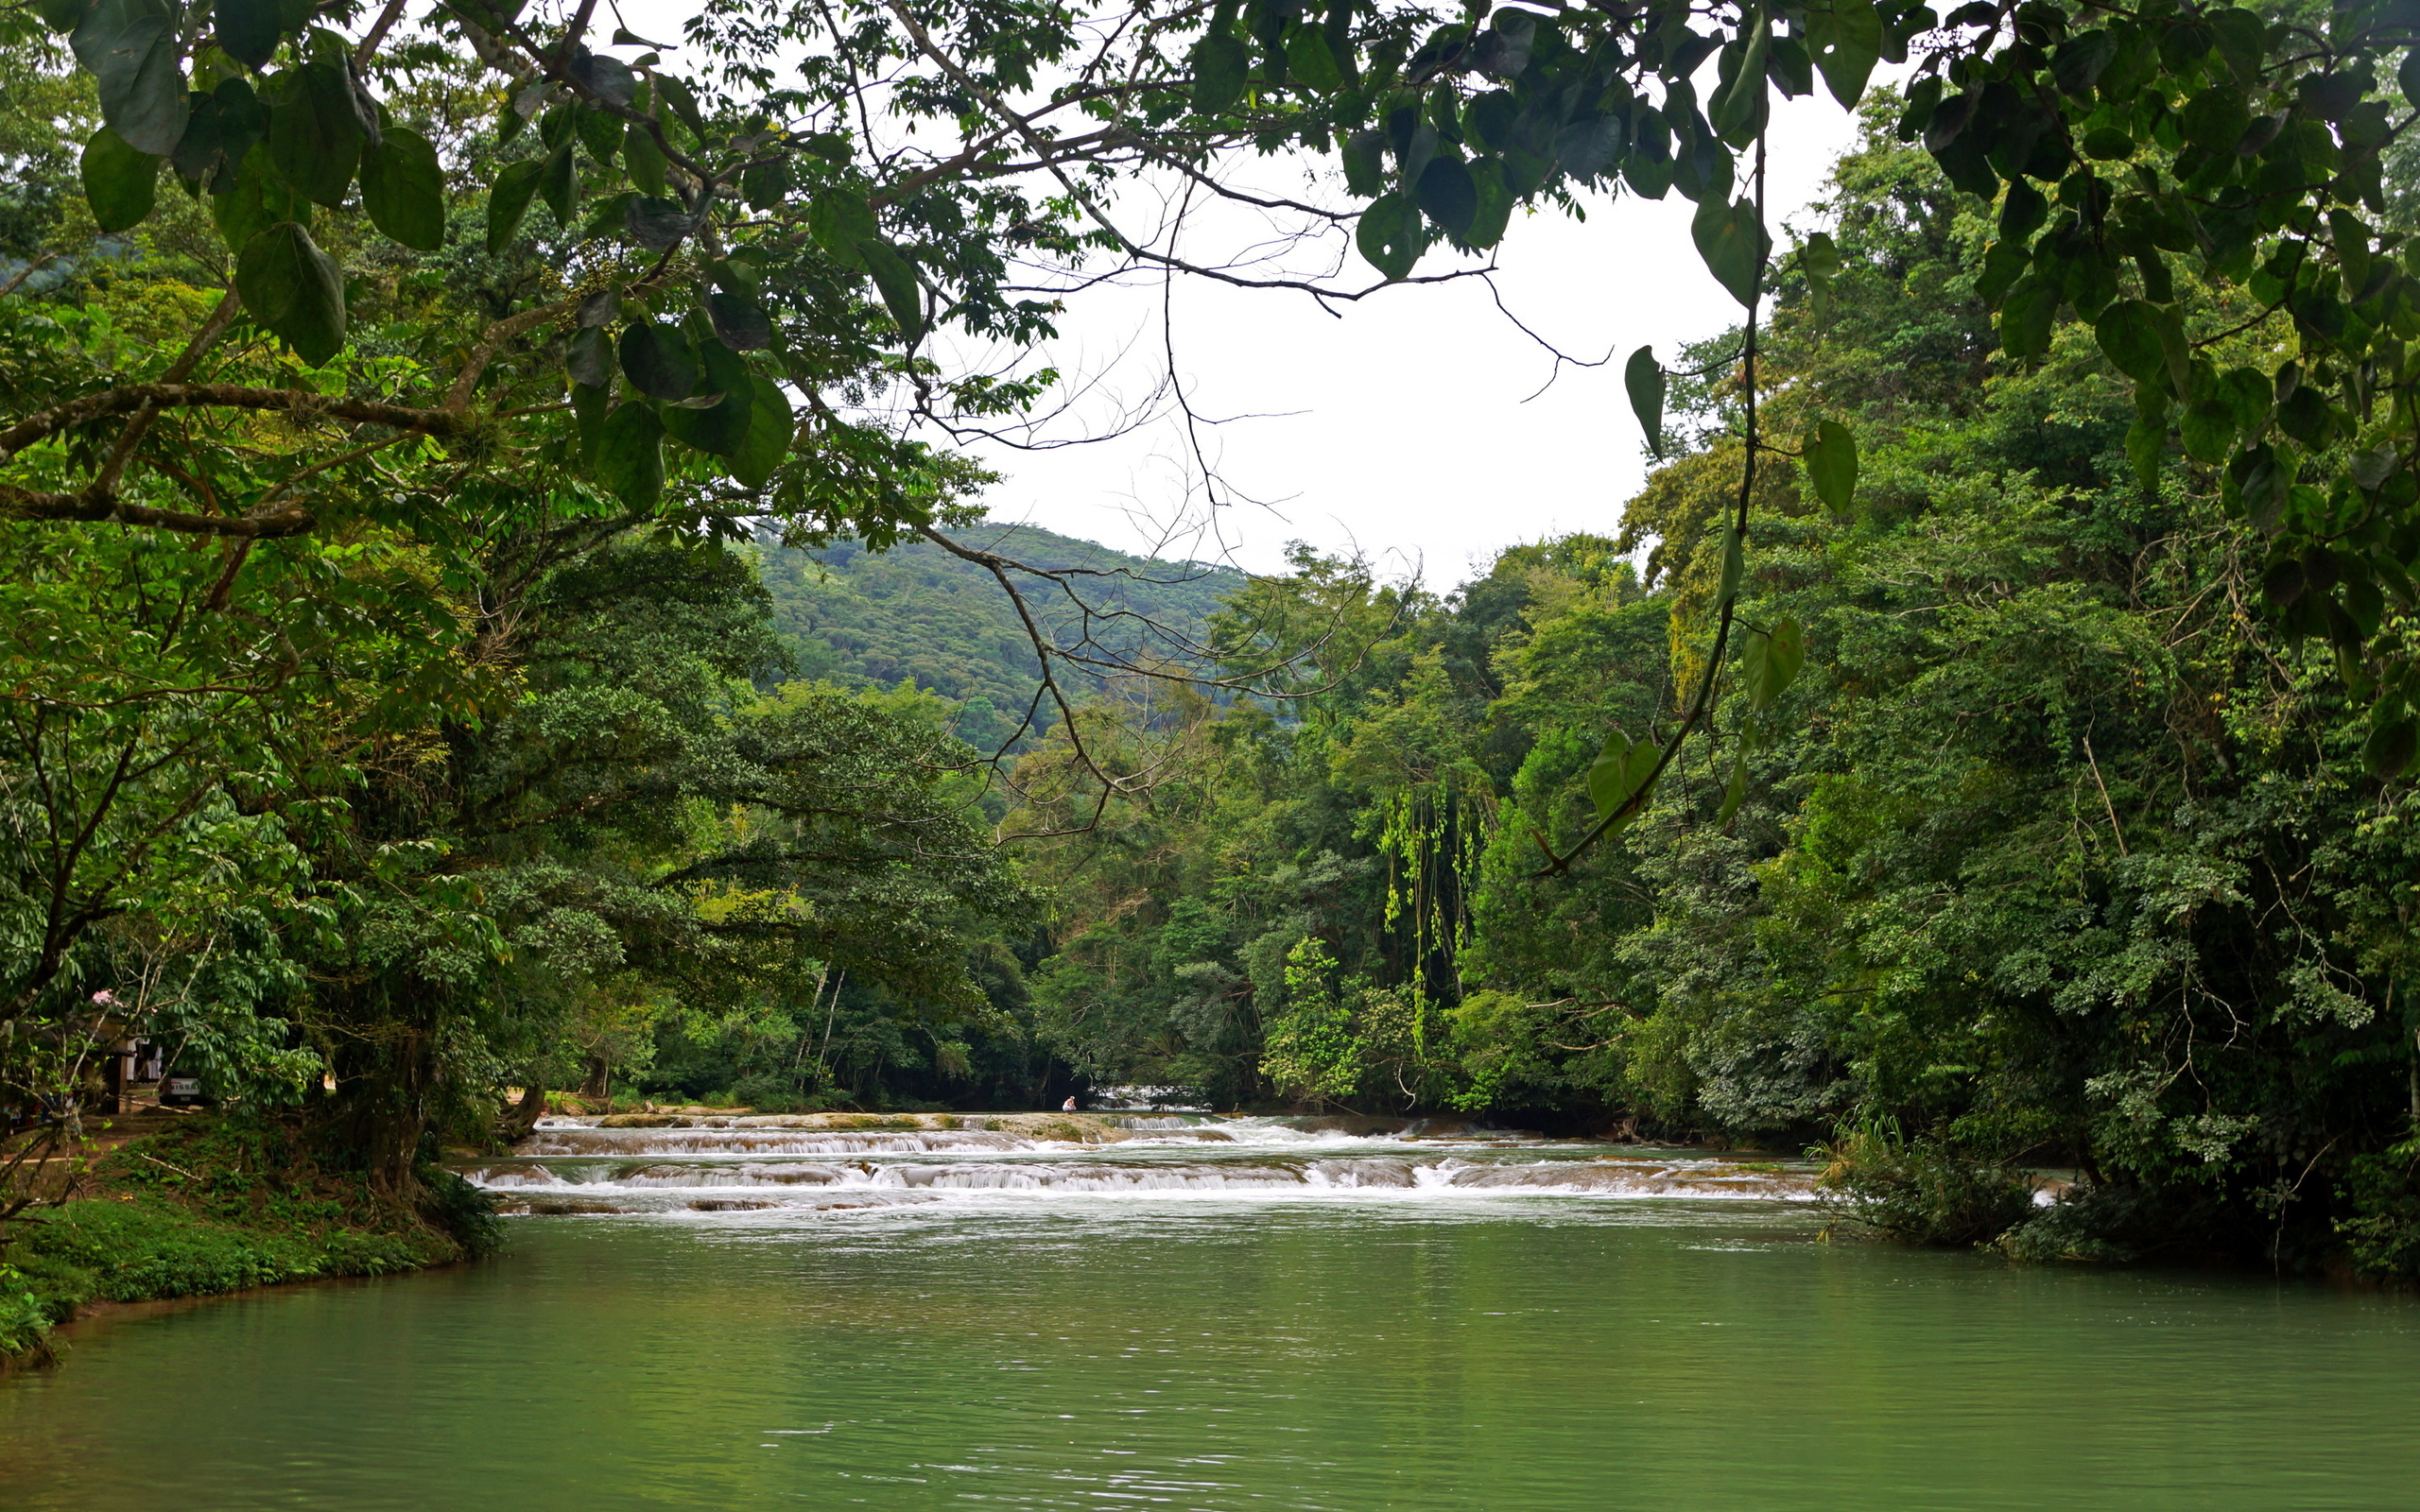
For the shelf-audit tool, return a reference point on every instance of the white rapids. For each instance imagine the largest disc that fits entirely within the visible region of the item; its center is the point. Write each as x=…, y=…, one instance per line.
x=683, y=1164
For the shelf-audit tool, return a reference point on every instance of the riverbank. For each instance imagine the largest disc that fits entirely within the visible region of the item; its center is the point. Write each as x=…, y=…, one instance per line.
x=210, y=1206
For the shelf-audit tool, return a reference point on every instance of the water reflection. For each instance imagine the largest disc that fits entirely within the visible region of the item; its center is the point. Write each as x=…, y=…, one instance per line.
x=1472, y=1351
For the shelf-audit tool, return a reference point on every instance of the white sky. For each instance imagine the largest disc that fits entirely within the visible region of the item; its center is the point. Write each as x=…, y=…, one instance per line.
x=1406, y=428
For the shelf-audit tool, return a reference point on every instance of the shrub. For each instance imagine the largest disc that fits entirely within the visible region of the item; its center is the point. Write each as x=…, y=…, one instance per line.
x=1922, y=1191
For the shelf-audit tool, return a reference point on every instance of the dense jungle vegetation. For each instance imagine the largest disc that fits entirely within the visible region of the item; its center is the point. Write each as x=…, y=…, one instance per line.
x=1983, y=745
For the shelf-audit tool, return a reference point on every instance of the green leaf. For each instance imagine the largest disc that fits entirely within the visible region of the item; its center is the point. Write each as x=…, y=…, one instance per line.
x=1735, y=791
x=253, y=203
x=1448, y=196
x=2389, y=748
x=131, y=48
x=1389, y=235
x=684, y=105
x=840, y=219
x=657, y=225
x=1819, y=259
x=720, y=428
x=1365, y=164
x=895, y=276
x=2025, y=317
x=1740, y=104
x=1494, y=204
x=771, y=425
x=1735, y=565
x=404, y=189
x=559, y=184
x=765, y=185
x=740, y=322
x=1222, y=67
x=601, y=131
x=590, y=404
x=314, y=136
x=2146, y=443
x=609, y=78
x=1846, y=40
x=119, y=182
x=2408, y=76
x=2208, y=428
x=292, y=288
x=1785, y=653
x=644, y=160
x=589, y=359
x=1731, y=238
x=629, y=455
x=1621, y=770
x=248, y=30
x=659, y=361
x=508, y=201
x=1830, y=455
x=1310, y=60
x=1644, y=377
x=2143, y=340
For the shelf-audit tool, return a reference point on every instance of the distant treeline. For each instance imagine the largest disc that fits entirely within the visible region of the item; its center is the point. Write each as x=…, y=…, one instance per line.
x=918, y=614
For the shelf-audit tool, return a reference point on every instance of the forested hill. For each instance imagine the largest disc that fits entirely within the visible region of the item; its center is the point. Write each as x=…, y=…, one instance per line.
x=854, y=616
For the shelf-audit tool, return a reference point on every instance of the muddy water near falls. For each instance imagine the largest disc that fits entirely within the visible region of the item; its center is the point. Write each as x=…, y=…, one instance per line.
x=1214, y=1315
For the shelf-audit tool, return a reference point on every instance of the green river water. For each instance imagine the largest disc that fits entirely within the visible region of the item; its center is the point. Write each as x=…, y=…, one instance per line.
x=1161, y=1328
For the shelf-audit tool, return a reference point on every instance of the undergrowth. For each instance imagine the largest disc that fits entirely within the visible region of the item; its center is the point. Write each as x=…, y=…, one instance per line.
x=219, y=1205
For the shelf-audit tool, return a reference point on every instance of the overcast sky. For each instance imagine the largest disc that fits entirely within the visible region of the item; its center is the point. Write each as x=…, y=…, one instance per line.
x=1412, y=428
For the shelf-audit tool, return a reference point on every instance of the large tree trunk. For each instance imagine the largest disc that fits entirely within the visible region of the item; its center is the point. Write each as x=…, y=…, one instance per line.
x=524, y=1115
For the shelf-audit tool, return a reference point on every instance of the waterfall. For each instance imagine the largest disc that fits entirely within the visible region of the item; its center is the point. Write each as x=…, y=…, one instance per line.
x=825, y=1163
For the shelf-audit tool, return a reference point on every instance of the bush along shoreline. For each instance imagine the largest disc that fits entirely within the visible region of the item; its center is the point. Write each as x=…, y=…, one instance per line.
x=219, y=1204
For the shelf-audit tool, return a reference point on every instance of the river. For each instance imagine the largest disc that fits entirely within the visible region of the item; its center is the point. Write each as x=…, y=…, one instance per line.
x=1280, y=1318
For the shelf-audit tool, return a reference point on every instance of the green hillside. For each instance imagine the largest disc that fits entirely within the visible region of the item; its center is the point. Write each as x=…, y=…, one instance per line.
x=916, y=612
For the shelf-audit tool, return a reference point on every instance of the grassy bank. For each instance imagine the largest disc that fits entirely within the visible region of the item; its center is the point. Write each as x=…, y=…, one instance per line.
x=216, y=1205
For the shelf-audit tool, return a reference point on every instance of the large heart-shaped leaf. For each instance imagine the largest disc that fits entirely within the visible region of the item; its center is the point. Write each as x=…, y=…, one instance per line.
x=404, y=189
x=1365, y=163
x=1830, y=455
x=1644, y=377
x=131, y=48
x=1222, y=65
x=2136, y=336
x=1448, y=196
x=659, y=361
x=1389, y=235
x=1740, y=104
x=629, y=455
x=740, y=322
x=895, y=276
x=1846, y=39
x=314, y=136
x=657, y=225
x=1771, y=661
x=589, y=357
x=841, y=220
x=771, y=425
x=559, y=184
x=720, y=428
x=508, y=200
x=119, y=182
x=293, y=288
x=249, y=29
x=607, y=79
x=644, y=160
x=1731, y=239
x=1621, y=769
